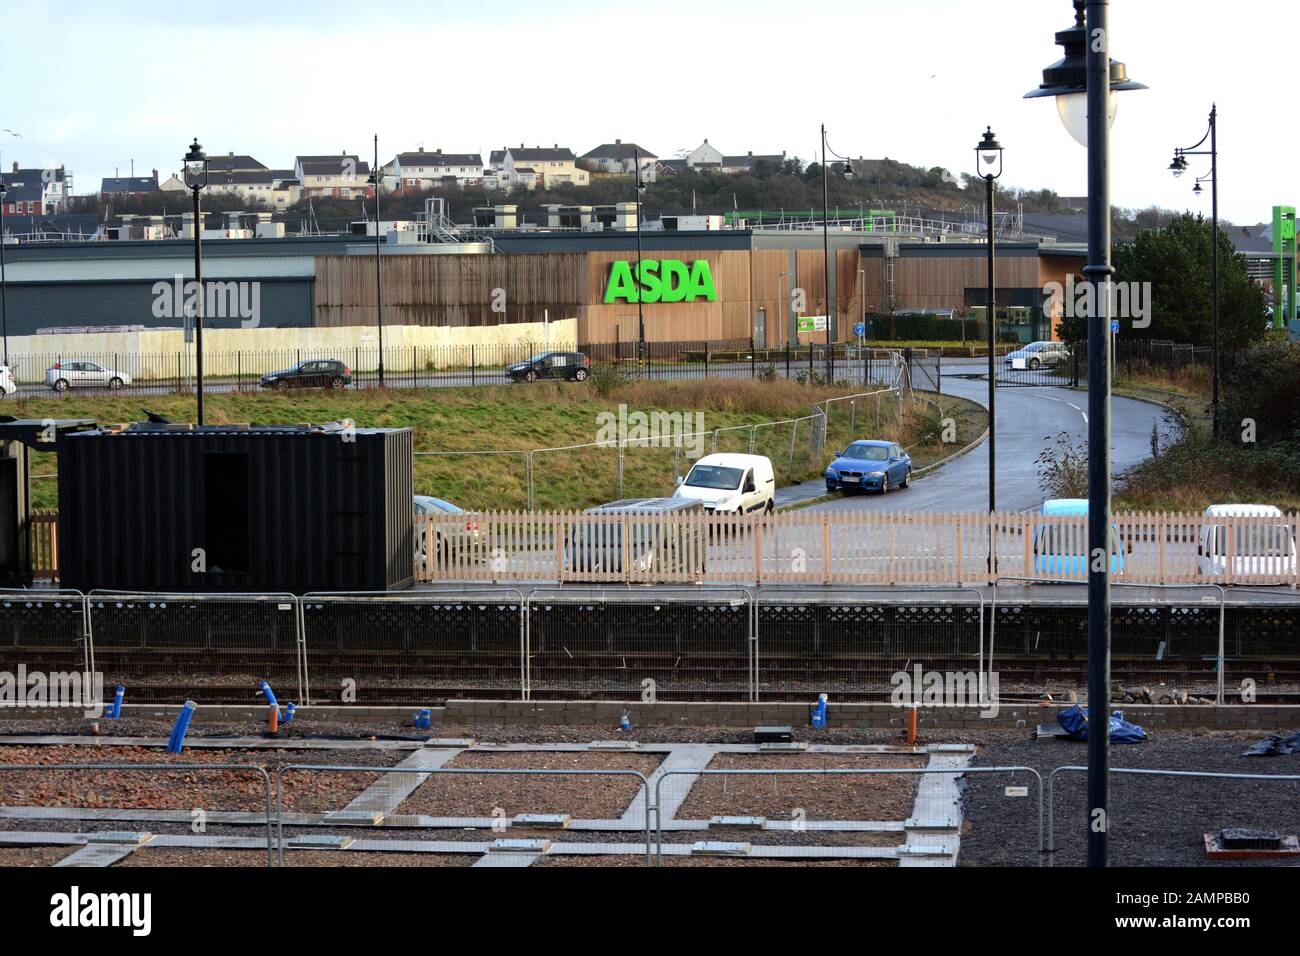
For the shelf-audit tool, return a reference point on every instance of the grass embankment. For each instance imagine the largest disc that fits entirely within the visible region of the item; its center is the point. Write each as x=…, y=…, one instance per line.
x=1194, y=471
x=548, y=415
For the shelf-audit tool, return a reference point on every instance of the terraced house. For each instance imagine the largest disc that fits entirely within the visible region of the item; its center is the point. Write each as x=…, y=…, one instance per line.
x=422, y=170
x=341, y=176
x=540, y=168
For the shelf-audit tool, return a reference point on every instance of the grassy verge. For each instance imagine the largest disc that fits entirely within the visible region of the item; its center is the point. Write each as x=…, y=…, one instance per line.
x=1195, y=471
x=551, y=415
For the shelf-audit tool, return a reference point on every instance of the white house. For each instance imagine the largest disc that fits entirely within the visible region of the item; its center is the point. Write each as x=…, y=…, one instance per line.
x=425, y=170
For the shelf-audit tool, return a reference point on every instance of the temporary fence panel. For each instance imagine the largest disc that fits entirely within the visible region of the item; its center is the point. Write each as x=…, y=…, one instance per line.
x=1261, y=645
x=882, y=807
x=216, y=648
x=1159, y=817
x=172, y=786
x=417, y=648
x=860, y=645
x=621, y=645
x=485, y=798
x=44, y=631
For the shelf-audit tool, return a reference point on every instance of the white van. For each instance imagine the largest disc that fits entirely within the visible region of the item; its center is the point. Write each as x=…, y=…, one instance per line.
x=731, y=484
x=1265, y=548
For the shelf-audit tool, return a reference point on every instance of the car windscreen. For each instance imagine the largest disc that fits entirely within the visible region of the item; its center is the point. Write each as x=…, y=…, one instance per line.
x=715, y=476
x=1258, y=541
x=867, y=452
x=539, y=357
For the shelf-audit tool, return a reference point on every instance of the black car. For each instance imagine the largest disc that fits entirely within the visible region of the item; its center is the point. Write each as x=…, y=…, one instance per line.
x=573, y=366
x=315, y=373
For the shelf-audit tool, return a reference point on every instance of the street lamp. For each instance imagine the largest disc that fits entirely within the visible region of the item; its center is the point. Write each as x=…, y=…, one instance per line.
x=379, y=287
x=1178, y=167
x=640, y=311
x=1084, y=83
x=196, y=177
x=988, y=155
x=4, y=306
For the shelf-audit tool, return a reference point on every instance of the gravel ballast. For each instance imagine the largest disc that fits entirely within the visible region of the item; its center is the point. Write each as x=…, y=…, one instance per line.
x=1154, y=821
x=582, y=797
x=832, y=797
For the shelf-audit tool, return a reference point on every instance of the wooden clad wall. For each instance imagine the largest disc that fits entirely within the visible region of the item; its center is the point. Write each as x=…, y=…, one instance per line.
x=940, y=282
x=727, y=319
x=450, y=290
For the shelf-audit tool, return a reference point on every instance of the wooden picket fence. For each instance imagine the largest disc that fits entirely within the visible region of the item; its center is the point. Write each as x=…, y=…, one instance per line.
x=850, y=547
x=44, y=545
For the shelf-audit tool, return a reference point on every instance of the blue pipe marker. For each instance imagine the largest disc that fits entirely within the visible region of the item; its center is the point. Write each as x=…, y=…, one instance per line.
x=819, y=712
x=115, y=708
x=623, y=722
x=177, y=742
x=424, y=718
x=270, y=695
x=289, y=710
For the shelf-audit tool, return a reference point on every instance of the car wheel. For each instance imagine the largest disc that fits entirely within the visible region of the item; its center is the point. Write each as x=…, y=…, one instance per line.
x=530, y=376
x=115, y=383
x=580, y=375
x=282, y=385
x=907, y=479
x=884, y=484
x=771, y=507
x=61, y=385
x=337, y=382
x=1034, y=363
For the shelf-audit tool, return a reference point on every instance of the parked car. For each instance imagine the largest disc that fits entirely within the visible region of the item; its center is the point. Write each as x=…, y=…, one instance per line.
x=730, y=484
x=1060, y=548
x=572, y=366
x=1266, y=548
x=314, y=373
x=869, y=465
x=1039, y=355
x=7, y=386
x=599, y=548
x=62, y=376
x=448, y=536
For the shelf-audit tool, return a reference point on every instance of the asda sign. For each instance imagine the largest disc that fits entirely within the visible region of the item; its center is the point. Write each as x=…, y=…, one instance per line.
x=660, y=280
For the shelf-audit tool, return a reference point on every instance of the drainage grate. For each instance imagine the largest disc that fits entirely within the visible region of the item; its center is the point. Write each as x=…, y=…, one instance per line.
x=556, y=821
x=519, y=846
x=127, y=837
x=323, y=841
x=1244, y=838
x=737, y=823
x=717, y=848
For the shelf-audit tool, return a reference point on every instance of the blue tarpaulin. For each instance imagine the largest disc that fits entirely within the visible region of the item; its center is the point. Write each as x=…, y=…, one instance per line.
x=1075, y=721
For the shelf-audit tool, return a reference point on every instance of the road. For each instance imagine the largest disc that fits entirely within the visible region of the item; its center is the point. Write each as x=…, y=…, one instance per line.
x=1028, y=420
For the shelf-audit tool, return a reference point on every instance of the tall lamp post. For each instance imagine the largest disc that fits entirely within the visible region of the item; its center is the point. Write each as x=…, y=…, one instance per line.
x=196, y=177
x=1178, y=167
x=826, y=239
x=988, y=154
x=4, y=305
x=1084, y=83
x=379, y=285
x=640, y=311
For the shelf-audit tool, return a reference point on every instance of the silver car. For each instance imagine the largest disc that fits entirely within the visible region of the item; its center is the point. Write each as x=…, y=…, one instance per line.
x=65, y=375
x=448, y=536
x=1039, y=355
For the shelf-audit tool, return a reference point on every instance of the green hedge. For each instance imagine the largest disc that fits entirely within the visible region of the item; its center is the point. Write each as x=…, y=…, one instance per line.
x=928, y=328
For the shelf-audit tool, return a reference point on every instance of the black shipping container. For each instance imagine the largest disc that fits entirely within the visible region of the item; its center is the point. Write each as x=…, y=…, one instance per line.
x=234, y=508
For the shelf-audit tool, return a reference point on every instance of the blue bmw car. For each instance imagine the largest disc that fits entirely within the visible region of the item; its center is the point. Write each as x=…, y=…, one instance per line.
x=869, y=466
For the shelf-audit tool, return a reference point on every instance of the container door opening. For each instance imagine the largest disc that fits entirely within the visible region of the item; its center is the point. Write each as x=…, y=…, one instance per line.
x=225, y=490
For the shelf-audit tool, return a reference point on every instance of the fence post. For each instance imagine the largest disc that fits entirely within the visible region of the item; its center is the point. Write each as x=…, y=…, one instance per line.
x=528, y=475
x=938, y=371
x=473, y=366
x=787, y=359
x=706, y=359
x=1219, y=679
x=752, y=372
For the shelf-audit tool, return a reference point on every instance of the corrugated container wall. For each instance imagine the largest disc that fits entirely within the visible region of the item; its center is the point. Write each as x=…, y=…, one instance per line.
x=237, y=509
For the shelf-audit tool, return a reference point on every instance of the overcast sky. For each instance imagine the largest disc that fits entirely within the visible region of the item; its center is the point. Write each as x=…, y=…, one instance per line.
x=93, y=86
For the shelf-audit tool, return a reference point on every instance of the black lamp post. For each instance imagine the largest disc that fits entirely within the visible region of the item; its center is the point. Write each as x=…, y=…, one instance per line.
x=379, y=286
x=826, y=242
x=196, y=177
x=640, y=311
x=4, y=305
x=988, y=155
x=1084, y=83
x=1178, y=167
